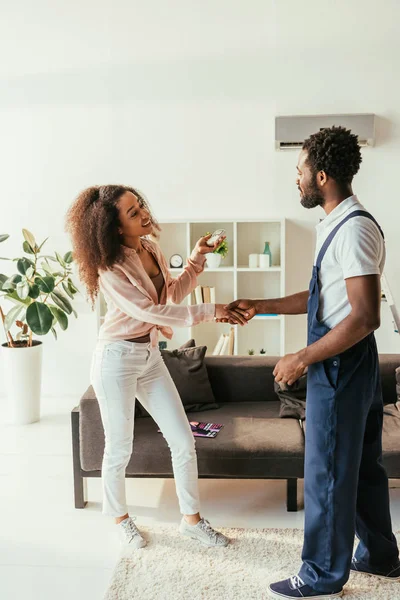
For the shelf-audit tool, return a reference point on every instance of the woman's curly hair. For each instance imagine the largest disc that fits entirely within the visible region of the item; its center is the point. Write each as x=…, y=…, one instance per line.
x=92, y=222
x=336, y=151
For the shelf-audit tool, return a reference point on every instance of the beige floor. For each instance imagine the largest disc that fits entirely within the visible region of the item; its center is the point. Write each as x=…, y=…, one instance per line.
x=49, y=550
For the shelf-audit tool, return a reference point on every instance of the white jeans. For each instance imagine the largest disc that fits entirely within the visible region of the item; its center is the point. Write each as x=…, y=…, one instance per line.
x=120, y=372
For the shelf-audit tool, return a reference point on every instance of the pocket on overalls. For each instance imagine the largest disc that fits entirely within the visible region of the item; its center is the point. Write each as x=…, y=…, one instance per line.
x=331, y=370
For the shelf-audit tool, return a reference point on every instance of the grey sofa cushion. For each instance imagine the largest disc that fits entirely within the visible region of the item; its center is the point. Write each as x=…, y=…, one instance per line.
x=189, y=373
x=254, y=442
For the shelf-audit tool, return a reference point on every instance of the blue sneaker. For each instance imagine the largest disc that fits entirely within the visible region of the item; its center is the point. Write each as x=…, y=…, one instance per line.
x=391, y=572
x=296, y=588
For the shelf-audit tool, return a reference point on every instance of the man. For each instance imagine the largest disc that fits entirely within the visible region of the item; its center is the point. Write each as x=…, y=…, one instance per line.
x=345, y=484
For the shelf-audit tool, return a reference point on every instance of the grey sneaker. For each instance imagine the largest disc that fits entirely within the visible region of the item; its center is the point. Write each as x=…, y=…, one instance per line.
x=203, y=532
x=130, y=534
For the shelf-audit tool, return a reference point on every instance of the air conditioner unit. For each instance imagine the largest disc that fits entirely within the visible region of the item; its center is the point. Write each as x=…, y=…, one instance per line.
x=290, y=132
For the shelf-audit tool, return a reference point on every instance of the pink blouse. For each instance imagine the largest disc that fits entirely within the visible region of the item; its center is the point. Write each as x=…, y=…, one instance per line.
x=133, y=309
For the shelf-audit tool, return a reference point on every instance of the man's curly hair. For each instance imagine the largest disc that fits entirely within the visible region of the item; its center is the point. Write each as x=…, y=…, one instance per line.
x=92, y=222
x=336, y=151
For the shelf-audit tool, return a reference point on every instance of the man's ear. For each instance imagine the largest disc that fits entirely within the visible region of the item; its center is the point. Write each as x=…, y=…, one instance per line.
x=322, y=178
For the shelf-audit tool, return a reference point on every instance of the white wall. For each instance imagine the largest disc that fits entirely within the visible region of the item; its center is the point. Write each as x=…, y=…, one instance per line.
x=179, y=99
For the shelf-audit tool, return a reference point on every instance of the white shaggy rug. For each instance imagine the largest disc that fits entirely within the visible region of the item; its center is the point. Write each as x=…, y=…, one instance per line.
x=175, y=568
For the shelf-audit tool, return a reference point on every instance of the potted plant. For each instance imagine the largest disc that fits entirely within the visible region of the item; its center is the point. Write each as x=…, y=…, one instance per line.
x=215, y=258
x=40, y=292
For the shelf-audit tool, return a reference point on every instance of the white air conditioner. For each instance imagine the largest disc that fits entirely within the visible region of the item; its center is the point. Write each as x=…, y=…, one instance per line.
x=290, y=132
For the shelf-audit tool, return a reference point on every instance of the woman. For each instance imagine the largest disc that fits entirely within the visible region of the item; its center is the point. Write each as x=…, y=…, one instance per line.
x=110, y=227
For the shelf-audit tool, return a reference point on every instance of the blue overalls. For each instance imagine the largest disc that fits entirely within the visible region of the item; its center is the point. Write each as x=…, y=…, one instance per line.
x=345, y=485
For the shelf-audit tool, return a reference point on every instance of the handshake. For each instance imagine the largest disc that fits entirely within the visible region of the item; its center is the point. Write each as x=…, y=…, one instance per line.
x=236, y=313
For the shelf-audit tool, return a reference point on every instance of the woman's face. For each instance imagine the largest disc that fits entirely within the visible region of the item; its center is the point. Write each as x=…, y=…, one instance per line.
x=134, y=219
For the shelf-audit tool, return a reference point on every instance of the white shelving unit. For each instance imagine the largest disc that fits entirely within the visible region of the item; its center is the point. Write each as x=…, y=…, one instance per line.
x=233, y=279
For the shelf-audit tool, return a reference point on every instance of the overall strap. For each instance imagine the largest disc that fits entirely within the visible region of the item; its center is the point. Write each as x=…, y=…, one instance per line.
x=327, y=243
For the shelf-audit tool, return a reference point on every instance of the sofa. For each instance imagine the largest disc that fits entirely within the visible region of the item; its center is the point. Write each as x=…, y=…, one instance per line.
x=255, y=443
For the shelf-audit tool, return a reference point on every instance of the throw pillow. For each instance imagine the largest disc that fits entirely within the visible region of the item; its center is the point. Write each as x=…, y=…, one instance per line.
x=188, y=371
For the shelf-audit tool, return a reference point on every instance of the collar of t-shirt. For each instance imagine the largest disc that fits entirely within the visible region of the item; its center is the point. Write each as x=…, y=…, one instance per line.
x=337, y=214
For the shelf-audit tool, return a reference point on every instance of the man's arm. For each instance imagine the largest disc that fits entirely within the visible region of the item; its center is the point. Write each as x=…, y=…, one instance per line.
x=290, y=305
x=364, y=294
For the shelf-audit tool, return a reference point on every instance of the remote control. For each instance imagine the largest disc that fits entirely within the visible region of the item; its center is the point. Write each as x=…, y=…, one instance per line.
x=215, y=237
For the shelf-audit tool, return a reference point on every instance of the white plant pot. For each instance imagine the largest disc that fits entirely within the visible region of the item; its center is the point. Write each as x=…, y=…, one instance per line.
x=22, y=376
x=213, y=260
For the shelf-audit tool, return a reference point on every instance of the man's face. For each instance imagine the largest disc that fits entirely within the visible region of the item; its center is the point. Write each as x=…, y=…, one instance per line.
x=306, y=181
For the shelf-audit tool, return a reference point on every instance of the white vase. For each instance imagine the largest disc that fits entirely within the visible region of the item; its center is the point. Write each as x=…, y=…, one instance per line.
x=213, y=260
x=22, y=376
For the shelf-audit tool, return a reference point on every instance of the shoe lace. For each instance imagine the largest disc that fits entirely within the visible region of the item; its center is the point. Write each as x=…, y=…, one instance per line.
x=206, y=527
x=130, y=528
x=296, y=582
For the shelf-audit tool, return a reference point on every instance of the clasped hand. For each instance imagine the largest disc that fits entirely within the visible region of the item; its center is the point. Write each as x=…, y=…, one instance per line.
x=235, y=313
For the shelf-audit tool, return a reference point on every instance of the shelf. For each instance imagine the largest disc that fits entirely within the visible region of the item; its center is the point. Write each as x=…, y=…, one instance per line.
x=222, y=269
x=233, y=279
x=259, y=270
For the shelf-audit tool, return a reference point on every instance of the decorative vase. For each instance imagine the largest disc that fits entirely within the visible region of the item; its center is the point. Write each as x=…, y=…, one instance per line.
x=22, y=372
x=267, y=252
x=213, y=260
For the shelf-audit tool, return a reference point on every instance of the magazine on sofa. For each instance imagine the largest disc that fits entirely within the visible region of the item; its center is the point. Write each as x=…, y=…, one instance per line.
x=209, y=430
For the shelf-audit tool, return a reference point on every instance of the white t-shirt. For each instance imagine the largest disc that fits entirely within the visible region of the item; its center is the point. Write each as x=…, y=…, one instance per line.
x=357, y=249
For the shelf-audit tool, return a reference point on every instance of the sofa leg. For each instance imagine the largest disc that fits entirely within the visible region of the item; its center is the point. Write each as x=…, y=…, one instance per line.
x=79, y=481
x=291, y=495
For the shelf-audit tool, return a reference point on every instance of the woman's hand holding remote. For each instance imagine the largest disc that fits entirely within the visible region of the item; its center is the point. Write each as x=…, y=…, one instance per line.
x=202, y=247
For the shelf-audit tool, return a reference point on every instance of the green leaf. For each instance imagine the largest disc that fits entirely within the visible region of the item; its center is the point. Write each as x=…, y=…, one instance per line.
x=11, y=283
x=3, y=279
x=62, y=301
x=39, y=318
x=34, y=291
x=54, y=332
x=60, y=260
x=30, y=272
x=23, y=290
x=4, y=258
x=27, y=248
x=75, y=313
x=45, y=284
x=42, y=244
x=60, y=316
x=68, y=258
x=12, y=316
x=4, y=237
x=24, y=264
x=46, y=267
x=13, y=296
x=72, y=288
x=67, y=290
x=47, y=257
x=29, y=237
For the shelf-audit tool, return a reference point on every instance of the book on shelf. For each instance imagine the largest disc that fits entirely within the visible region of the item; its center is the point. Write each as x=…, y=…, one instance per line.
x=231, y=341
x=204, y=294
x=198, y=295
x=218, y=345
x=225, y=344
